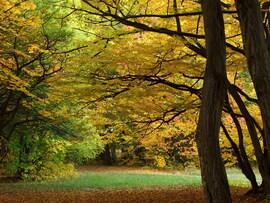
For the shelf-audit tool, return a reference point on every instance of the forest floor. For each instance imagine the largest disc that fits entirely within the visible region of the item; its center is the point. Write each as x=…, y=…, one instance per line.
x=120, y=195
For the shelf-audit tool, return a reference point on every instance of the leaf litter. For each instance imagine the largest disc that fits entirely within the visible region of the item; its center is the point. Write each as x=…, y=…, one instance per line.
x=120, y=195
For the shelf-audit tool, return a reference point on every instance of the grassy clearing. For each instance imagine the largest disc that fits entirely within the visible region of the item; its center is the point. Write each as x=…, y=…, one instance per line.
x=120, y=180
x=106, y=180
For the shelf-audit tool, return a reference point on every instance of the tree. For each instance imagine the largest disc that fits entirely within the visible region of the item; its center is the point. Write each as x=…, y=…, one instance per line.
x=19, y=55
x=145, y=81
x=214, y=177
x=34, y=133
x=258, y=60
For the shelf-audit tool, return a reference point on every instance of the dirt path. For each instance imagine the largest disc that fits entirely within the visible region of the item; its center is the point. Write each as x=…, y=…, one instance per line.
x=139, y=195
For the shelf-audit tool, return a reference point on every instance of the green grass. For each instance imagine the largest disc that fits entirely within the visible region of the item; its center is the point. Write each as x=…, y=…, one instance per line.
x=106, y=180
x=119, y=180
x=237, y=178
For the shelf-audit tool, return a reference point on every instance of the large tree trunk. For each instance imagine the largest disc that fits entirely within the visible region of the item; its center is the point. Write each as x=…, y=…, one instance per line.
x=258, y=59
x=214, y=177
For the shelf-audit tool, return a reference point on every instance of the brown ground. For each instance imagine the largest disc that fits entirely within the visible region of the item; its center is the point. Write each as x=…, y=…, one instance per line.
x=162, y=195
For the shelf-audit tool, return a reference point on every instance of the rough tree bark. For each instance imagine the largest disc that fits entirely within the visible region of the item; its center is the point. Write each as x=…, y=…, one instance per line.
x=258, y=59
x=214, y=177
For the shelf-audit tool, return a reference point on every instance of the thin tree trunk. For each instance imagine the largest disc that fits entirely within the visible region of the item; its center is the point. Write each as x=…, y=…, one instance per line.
x=258, y=59
x=242, y=158
x=107, y=159
x=214, y=177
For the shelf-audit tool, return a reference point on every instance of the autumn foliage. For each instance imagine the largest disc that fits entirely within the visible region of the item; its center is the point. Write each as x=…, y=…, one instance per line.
x=131, y=76
x=34, y=135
